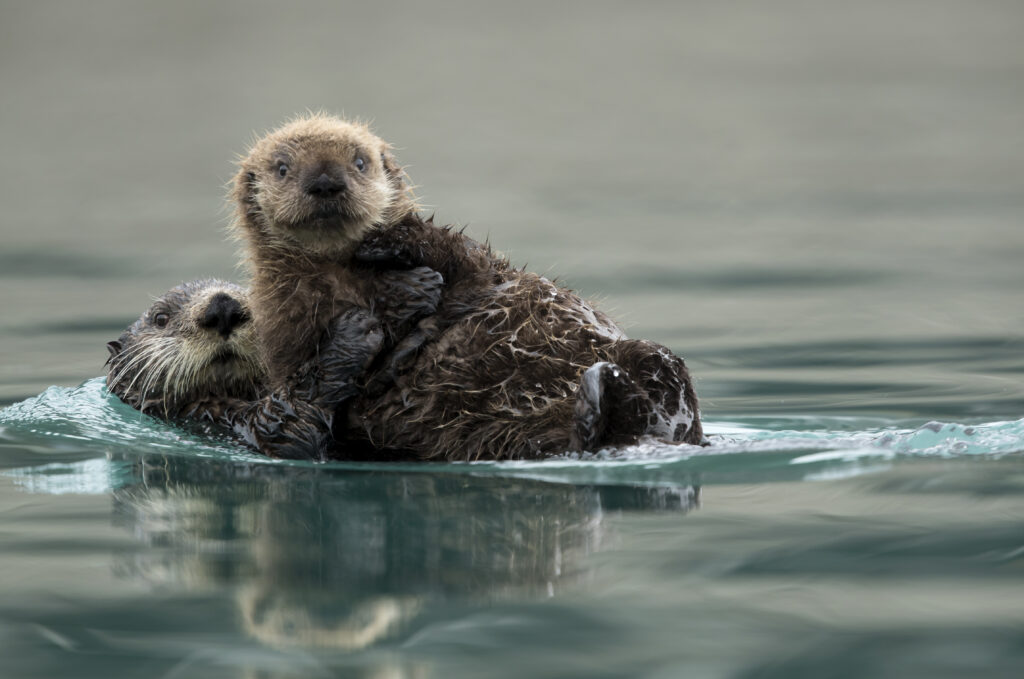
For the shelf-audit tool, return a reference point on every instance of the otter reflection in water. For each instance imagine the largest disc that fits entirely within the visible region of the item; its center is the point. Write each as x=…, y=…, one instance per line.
x=345, y=560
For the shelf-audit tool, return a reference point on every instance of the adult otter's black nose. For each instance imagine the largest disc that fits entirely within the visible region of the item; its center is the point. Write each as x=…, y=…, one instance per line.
x=223, y=314
x=325, y=186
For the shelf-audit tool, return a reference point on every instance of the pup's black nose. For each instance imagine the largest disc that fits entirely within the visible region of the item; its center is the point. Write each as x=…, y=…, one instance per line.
x=325, y=186
x=223, y=314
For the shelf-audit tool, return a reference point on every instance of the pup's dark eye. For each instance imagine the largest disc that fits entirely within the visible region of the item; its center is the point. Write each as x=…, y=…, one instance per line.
x=360, y=164
x=160, y=320
x=282, y=170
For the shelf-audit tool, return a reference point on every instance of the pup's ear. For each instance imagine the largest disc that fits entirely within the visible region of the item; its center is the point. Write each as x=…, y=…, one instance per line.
x=391, y=165
x=404, y=201
x=243, y=189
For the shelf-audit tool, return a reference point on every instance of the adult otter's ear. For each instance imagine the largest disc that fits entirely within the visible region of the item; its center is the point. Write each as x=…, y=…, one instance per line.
x=114, y=347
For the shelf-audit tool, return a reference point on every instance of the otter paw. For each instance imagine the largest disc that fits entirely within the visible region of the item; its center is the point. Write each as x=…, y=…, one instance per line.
x=409, y=294
x=392, y=246
x=354, y=339
x=400, y=358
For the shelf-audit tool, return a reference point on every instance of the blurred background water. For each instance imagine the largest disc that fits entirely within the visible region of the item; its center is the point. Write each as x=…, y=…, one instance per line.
x=819, y=204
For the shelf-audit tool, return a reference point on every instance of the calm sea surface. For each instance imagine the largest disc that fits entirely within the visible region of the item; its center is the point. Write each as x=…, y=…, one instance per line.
x=819, y=204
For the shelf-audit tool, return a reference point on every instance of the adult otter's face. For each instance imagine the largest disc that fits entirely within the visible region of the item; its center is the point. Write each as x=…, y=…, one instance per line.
x=195, y=342
x=318, y=184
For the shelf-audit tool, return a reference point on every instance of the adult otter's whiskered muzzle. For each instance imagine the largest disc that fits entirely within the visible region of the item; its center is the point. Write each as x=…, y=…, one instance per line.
x=223, y=314
x=194, y=343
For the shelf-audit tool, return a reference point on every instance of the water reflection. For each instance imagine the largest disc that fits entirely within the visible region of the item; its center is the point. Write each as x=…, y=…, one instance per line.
x=318, y=558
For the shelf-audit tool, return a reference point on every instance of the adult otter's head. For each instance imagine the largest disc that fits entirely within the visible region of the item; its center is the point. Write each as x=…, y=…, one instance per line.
x=196, y=341
x=318, y=184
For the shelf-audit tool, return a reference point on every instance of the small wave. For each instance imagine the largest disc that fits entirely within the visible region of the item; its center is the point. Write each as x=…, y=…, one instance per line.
x=89, y=419
x=63, y=425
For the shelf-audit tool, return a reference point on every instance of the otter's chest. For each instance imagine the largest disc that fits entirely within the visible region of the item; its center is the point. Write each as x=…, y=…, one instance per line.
x=331, y=288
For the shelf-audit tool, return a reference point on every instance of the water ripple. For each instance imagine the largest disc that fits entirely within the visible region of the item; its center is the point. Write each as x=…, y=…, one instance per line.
x=54, y=437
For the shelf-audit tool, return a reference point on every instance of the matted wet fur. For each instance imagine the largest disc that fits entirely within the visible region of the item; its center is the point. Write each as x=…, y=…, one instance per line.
x=522, y=367
x=501, y=363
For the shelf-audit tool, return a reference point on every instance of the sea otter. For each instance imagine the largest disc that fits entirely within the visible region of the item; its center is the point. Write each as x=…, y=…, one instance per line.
x=305, y=196
x=193, y=356
x=195, y=342
x=511, y=366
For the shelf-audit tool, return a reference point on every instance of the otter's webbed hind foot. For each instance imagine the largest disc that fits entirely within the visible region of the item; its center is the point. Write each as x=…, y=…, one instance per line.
x=665, y=379
x=611, y=409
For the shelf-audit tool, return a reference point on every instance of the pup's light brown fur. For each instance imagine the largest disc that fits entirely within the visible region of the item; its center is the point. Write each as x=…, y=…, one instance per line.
x=299, y=244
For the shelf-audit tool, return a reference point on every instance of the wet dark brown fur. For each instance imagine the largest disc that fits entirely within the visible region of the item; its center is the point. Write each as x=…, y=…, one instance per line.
x=507, y=376
x=502, y=371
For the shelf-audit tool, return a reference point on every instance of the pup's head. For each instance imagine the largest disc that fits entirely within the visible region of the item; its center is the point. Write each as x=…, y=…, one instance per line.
x=196, y=341
x=318, y=184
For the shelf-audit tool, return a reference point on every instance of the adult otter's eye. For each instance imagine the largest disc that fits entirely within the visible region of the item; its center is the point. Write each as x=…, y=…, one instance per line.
x=360, y=164
x=282, y=170
x=160, y=320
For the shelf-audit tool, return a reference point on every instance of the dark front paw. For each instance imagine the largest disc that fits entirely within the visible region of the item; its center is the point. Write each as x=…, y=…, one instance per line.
x=354, y=327
x=403, y=295
x=392, y=247
x=353, y=341
x=350, y=343
x=399, y=359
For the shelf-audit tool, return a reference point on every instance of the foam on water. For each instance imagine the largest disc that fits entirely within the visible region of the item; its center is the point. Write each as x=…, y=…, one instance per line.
x=56, y=438
x=87, y=418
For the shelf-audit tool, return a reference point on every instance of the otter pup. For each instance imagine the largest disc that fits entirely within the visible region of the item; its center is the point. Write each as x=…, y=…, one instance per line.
x=305, y=196
x=511, y=366
x=193, y=355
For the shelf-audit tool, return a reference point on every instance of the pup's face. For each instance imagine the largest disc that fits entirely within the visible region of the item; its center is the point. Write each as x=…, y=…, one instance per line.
x=318, y=184
x=196, y=341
